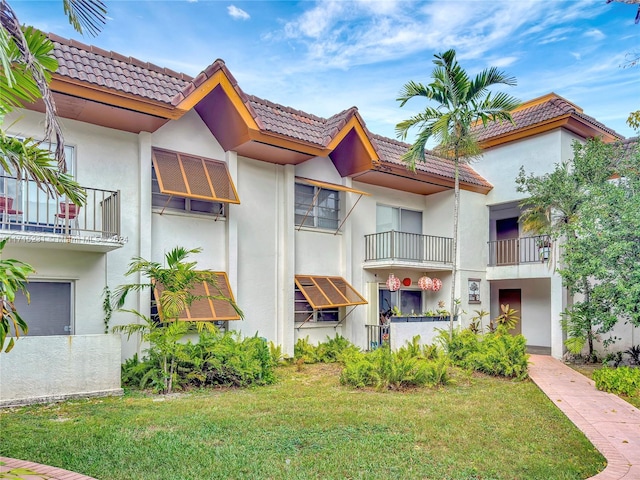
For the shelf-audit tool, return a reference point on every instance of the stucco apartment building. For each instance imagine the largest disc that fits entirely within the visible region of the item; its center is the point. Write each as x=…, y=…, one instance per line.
x=305, y=218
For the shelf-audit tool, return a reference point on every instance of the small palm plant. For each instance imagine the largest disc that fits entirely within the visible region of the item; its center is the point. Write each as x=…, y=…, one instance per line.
x=13, y=279
x=173, y=286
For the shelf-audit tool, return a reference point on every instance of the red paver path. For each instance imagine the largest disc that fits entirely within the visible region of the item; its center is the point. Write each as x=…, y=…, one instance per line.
x=611, y=424
x=51, y=473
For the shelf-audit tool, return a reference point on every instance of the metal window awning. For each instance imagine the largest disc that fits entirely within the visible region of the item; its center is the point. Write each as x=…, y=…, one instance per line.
x=328, y=292
x=193, y=177
x=211, y=302
x=330, y=186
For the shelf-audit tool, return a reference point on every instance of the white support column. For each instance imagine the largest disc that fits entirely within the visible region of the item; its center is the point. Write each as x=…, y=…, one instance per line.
x=231, y=158
x=285, y=230
x=556, y=300
x=145, y=219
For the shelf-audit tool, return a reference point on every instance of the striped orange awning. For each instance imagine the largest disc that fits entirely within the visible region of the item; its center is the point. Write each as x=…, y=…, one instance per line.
x=211, y=305
x=328, y=292
x=193, y=177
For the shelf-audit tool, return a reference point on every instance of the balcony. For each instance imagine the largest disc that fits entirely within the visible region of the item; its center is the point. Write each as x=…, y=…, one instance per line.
x=409, y=250
x=519, y=251
x=33, y=217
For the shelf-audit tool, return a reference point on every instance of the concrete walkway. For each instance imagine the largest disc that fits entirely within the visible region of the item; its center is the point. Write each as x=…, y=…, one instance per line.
x=611, y=424
x=50, y=473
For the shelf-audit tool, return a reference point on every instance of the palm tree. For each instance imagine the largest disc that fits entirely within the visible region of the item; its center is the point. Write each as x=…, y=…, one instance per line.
x=173, y=284
x=26, y=66
x=462, y=103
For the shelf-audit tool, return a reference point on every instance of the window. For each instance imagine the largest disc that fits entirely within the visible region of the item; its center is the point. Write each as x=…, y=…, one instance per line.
x=161, y=200
x=398, y=219
x=304, y=312
x=409, y=302
x=50, y=310
x=317, y=207
x=35, y=205
x=190, y=183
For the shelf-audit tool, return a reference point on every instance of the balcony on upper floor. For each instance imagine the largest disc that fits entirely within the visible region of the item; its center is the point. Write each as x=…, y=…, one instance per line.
x=32, y=217
x=520, y=257
x=408, y=250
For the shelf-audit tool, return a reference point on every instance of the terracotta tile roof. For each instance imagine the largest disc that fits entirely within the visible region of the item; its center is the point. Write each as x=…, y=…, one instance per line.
x=89, y=64
x=96, y=66
x=537, y=113
x=391, y=151
x=290, y=122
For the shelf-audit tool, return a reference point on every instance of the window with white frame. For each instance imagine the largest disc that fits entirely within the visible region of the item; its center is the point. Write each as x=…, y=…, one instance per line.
x=398, y=219
x=49, y=311
x=35, y=205
x=317, y=207
x=304, y=312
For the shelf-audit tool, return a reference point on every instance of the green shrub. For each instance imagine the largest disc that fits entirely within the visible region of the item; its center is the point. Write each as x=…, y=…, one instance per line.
x=216, y=359
x=500, y=354
x=459, y=345
x=304, y=351
x=384, y=369
x=331, y=351
x=621, y=381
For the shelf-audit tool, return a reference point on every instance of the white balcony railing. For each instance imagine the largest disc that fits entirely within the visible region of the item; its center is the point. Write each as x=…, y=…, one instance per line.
x=26, y=210
x=516, y=251
x=409, y=247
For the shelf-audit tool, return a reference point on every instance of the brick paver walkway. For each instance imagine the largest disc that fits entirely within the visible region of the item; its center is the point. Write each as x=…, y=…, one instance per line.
x=611, y=424
x=51, y=473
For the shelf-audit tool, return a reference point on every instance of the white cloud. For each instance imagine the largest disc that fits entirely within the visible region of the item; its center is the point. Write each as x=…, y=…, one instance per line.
x=595, y=34
x=237, y=13
x=347, y=34
x=576, y=55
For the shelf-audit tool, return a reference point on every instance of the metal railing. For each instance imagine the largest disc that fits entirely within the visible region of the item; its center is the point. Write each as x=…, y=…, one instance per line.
x=516, y=251
x=26, y=208
x=378, y=335
x=409, y=247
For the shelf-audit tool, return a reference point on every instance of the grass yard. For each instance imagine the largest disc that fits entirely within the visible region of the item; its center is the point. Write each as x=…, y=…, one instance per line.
x=308, y=426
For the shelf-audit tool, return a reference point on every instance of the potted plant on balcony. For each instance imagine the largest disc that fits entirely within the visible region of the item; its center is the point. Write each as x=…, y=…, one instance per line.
x=544, y=249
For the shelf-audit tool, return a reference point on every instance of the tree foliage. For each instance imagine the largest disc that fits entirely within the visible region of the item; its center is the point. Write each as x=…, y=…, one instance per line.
x=461, y=103
x=174, y=282
x=592, y=203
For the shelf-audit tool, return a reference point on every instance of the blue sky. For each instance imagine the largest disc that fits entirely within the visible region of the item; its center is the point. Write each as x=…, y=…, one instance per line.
x=324, y=57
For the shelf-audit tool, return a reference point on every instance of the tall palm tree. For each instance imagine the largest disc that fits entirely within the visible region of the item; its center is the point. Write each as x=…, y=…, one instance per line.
x=462, y=103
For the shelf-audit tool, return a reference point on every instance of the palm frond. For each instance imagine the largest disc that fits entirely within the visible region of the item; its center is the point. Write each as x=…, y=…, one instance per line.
x=86, y=14
x=26, y=157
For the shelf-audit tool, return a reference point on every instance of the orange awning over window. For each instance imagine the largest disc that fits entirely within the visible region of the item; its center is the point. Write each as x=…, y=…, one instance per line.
x=331, y=186
x=193, y=177
x=328, y=292
x=206, y=309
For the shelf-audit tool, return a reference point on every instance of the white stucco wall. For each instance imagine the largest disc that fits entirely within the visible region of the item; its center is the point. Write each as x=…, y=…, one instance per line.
x=403, y=332
x=62, y=367
x=535, y=311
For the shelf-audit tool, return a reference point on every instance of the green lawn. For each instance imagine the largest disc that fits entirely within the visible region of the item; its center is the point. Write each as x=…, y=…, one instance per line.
x=308, y=426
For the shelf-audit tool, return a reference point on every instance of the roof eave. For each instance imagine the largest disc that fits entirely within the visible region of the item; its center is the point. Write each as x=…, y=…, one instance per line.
x=569, y=121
